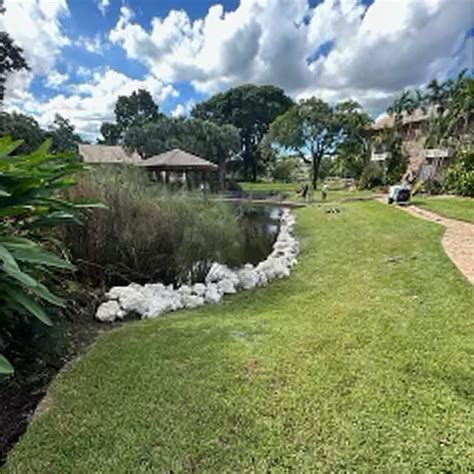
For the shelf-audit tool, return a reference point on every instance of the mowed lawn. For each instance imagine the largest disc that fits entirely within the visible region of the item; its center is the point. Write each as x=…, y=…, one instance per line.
x=363, y=360
x=291, y=191
x=454, y=207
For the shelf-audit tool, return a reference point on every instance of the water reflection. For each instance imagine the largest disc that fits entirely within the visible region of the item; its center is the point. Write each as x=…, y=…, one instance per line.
x=259, y=227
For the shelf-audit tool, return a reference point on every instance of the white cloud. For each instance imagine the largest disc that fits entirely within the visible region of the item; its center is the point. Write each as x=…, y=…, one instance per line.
x=376, y=50
x=35, y=26
x=183, y=110
x=92, y=44
x=55, y=79
x=90, y=103
x=102, y=5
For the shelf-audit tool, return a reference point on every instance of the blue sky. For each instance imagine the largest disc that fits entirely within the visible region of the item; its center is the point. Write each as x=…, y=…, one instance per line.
x=84, y=53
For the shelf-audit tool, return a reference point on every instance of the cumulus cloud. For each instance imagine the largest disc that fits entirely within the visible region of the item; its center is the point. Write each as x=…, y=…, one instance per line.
x=35, y=26
x=91, y=103
x=375, y=50
x=183, y=110
x=55, y=79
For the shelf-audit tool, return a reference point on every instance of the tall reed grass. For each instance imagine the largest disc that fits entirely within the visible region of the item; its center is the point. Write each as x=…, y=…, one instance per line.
x=146, y=234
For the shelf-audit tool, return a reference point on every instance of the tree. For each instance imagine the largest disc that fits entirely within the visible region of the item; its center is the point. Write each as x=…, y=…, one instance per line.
x=22, y=127
x=308, y=127
x=210, y=141
x=110, y=132
x=11, y=59
x=251, y=109
x=135, y=110
x=354, y=144
x=63, y=137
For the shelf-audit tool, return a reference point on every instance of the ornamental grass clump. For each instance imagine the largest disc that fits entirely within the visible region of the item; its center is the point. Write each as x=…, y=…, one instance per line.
x=146, y=234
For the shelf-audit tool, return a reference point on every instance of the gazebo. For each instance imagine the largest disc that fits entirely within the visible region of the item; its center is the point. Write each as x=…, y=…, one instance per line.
x=178, y=166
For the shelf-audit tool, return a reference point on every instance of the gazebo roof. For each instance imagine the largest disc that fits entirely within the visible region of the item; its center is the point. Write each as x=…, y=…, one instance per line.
x=178, y=160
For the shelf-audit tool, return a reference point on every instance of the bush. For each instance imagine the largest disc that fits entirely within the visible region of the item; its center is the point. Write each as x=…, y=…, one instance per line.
x=29, y=208
x=284, y=169
x=459, y=177
x=372, y=176
x=146, y=234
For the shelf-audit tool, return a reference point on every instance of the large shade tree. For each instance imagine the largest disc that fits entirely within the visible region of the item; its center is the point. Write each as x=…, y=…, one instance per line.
x=310, y=129
x=135, y=110
x=251, y=109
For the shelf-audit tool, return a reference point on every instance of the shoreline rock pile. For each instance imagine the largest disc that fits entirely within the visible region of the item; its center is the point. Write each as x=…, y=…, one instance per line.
x=152, y=300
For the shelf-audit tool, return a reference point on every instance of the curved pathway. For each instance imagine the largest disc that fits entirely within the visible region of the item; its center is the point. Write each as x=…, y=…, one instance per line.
x=458, y=239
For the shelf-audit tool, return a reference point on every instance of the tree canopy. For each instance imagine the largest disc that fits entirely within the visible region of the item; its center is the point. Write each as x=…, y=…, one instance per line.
x=251, y=109
x=11, y=59
x=135, y=110
x=310, y=129
x=63, y=137
x=22, y=127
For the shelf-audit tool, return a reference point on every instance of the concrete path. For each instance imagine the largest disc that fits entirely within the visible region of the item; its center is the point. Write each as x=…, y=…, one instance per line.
x=458, y=239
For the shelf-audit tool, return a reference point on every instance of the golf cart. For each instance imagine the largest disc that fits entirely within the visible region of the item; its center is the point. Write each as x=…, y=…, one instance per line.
x=399, y=194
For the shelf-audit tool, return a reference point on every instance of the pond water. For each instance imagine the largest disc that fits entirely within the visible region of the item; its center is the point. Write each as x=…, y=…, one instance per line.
x=259, y=227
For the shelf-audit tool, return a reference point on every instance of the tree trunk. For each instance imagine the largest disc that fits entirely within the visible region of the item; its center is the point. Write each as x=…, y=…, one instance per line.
x=221, y=173
x=316, y=163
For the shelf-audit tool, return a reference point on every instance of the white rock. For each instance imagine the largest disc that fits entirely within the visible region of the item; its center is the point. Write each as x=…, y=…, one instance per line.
x=199, y=289
x=192, y=301
x=226, y=286
x=109, y=311
x=248, y=278
x=212, y=295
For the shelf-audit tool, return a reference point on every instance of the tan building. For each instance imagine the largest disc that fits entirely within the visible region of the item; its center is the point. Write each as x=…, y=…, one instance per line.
x=423, y=162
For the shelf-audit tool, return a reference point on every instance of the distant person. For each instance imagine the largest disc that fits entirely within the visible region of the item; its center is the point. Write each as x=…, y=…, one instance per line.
x=324, y=192
x=305, y=192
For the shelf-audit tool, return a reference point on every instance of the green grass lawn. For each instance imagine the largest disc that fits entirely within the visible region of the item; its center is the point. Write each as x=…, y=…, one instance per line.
x=454, y=207
x=291, y=190
x=361, y=361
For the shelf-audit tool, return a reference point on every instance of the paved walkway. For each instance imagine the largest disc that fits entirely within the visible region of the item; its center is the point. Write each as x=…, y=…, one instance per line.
x=458, y=239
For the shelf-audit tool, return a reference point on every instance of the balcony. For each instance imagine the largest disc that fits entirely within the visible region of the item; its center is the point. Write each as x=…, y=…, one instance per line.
x=380, y=156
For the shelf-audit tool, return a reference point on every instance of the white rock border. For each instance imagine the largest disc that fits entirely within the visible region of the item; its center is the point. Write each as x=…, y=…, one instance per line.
x=152, y=300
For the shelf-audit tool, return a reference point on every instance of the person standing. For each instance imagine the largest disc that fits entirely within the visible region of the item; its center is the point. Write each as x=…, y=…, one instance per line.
x=324, y=192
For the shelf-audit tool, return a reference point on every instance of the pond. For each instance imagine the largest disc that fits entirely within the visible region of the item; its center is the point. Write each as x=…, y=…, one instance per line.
x=259, y=227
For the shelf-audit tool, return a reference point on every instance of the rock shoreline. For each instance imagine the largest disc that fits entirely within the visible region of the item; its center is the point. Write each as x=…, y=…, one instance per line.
x=152, y=300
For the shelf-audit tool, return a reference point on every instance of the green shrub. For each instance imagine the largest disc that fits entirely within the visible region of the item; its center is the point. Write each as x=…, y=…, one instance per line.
x=459, y=177
x=372, y=176
x=146, y=234
x=29, y=208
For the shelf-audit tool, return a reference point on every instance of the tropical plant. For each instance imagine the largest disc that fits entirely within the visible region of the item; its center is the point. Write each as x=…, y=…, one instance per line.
x=29, y=207
x=459, y=177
